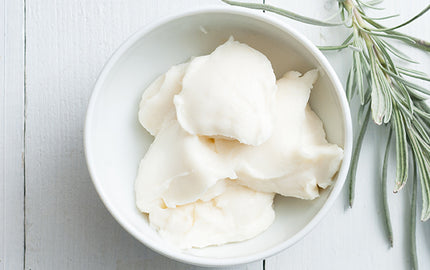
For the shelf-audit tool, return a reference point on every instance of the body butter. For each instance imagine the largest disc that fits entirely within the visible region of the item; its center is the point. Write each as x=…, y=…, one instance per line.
x=228, y=137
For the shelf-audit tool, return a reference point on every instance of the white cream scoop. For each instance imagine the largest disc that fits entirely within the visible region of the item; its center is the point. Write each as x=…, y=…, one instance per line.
x=156, y=106
x=296, y=159
x=237, y=214
x=178, y=169
x=229, y=93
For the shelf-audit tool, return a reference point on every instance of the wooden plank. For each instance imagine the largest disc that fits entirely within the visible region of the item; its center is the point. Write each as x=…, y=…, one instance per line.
x=12, y=135
x=67, y=44
x=69, y=228
x=354, y=238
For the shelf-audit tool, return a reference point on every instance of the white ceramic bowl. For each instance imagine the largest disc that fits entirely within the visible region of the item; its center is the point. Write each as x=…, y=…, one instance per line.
x=115, y=142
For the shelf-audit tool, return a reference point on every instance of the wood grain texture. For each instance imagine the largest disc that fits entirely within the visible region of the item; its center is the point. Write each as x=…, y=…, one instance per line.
x=67, y=44
x=355, y=238
x=12, y=134
x=67, y=226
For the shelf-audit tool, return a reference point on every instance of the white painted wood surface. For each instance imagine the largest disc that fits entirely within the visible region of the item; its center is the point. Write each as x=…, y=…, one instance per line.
x=12, y=134
x=66, y=225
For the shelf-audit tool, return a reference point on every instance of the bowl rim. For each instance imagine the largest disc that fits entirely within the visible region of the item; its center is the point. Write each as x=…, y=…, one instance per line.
x=205, y=261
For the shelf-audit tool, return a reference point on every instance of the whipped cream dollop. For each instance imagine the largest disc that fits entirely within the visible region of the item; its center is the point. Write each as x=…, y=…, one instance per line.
x=228, y=137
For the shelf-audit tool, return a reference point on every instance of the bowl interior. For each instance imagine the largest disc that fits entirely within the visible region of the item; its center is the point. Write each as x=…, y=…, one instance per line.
x=115, y=141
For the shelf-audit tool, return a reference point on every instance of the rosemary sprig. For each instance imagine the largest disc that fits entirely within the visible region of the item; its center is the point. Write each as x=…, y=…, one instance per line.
x=382, y=84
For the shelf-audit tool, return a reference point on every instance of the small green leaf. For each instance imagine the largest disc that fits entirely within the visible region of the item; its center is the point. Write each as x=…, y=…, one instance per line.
x=355, y=157
x=368, y=5
x=413, y=71
x=413, y=220
x=401, y=151
x=422, y=113
x=378, y=100
x=407, y=83
x=413, y=41
x=414, y=74
x=388, y=34
x=375, y=2
x=423, y=166
x=348, y=39
x=333, y=48
x=349, y=90
x=380, y=18
x=397, y=52
x=385, y=207
x=358, y=75
x=427, y=8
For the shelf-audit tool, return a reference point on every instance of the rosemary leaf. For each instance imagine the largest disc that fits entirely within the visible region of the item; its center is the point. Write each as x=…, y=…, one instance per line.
x=424, y=124
x=413, y=71
x=370, y=5
x=423, y=166
x=416, y=42
x=349, y=90
x=405, y=23
x=355, y=156
x=386, y=59
x=333, y=48
x=387, y=90
x=391, y=35
x=413, y=220
x=422, y=113
x=282, y=12
x=375, y=2
x=401, y=151
x=421, y=132
x=360, y=67
x=401, y=96
x=378, y=101
x=397, y=52
x=381, y=18
x=423, y=77
x=402, y=80
x=386, y=209
x=347, y=40
x=362, y=110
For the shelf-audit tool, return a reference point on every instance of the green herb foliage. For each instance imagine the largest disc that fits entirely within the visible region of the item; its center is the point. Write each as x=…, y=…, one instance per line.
x=385, y=91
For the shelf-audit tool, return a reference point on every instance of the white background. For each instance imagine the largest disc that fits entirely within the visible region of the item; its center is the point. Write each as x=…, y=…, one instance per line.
x=50, y=215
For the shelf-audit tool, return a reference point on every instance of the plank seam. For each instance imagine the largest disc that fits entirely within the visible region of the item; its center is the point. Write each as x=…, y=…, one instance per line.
x=24, y=131
x=4, y=134
x=264, y=260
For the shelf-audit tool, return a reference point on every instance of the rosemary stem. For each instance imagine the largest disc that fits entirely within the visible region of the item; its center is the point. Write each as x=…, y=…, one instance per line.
x=355, y=157
x=386, y=209
x=355, y=14
x=359, y=24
